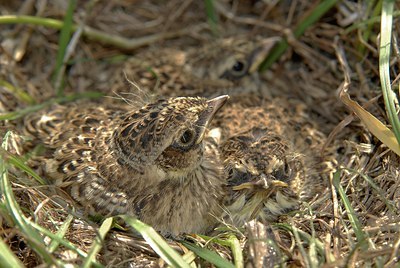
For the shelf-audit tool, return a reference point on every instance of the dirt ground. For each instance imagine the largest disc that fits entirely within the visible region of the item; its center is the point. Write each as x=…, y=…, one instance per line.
x=308, y=71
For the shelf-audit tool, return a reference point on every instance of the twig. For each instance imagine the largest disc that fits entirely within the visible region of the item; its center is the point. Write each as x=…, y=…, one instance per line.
x=93, y=34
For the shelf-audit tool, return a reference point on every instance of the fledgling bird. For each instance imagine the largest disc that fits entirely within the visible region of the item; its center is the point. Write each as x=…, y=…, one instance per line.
x=263, y=141
x=271, y=159
x=154, y=162
x=225, y=66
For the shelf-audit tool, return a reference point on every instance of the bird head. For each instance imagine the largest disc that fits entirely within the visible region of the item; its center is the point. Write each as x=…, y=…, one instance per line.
x=166, y=135
x=233, y=62
x=227, y=65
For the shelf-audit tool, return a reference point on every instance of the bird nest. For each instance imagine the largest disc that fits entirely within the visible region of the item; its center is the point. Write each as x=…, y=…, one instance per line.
x=354, y=222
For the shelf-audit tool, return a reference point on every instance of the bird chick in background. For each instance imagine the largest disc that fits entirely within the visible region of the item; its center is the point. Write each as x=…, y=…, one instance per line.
x=225, y=66
x=153, y=162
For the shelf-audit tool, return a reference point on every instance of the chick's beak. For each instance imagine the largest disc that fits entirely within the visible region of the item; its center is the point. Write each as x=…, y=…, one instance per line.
x=206, y=117
x=215, y=104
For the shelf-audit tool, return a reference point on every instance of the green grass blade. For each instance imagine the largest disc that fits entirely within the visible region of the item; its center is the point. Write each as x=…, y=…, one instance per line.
x=368, y=22
x=7, y=257
x=320, y=247
x=377, y=7
x=34, y=239
x=157, y=243
x=65, y=36
x=62, y=241
x=389, y=95
x=355, y=223
x=281, y=47
x=208, y=255
x=60, y=233
x=236, y=251
x=97, y=244
x=17, y=92
x=380, y=192
x=19, y=163
x=306, y=258
x=212, y=17
x=233, y=243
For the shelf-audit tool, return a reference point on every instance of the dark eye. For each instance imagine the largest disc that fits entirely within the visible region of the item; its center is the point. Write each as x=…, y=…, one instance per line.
x=187, y=137
x=239, y=68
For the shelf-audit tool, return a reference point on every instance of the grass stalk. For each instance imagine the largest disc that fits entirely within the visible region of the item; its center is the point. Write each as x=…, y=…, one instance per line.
x=309, y=20
x=389, y=95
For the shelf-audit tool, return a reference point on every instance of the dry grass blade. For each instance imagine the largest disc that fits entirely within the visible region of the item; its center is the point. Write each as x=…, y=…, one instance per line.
x=303, y=236
x=30, y=109
x=96, y=35
x=355, y=224
x=377, y=128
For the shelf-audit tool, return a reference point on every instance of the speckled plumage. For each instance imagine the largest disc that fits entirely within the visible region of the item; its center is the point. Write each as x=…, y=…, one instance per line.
x=226, y=66
x=270, y=146
x=153, y=162
x=271, y=158
x=266, y=151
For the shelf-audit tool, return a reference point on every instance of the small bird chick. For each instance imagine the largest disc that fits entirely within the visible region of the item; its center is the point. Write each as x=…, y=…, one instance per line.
x=270, y=158
x=263, y=140
x=154, y=162
x=225, y=66
x=262, y=172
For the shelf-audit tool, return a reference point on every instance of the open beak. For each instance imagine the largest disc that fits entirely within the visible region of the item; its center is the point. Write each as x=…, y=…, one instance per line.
x=260, y=53
x=213, y=107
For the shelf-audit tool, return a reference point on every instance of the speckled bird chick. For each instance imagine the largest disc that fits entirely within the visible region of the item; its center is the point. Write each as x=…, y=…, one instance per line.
x=271, y=156
x=225, y=66
x=264, y=142
x=153, y=162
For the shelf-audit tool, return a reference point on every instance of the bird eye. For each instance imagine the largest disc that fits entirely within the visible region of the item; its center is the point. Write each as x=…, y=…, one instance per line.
x=239, y=68
x=187, y=137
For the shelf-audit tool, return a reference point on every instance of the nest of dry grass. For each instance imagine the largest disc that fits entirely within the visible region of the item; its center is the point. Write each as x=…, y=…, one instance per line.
x=365, y=169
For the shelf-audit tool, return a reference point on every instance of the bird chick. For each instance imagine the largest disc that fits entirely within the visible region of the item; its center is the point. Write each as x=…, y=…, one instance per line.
x=154, y=162
x=226, y=66
x=263, y=144
x=270, y=159
x=262, y=173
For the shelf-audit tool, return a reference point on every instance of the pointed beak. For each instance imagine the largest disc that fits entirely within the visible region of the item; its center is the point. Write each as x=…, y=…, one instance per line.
x=216, y=103
x=260, y=53
x=213, y=107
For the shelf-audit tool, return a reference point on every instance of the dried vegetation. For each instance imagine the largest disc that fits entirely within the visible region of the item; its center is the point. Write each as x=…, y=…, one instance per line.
x=355, y=223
